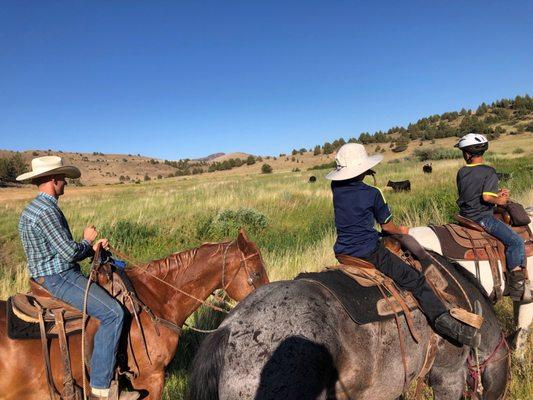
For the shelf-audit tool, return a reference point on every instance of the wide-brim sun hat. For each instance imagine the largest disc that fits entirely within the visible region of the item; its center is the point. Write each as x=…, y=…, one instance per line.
x=352, y=160
x=49, y=165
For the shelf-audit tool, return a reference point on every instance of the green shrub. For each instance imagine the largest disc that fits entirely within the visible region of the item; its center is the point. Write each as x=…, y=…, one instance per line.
x=399, y=149
x=11, y=167
x=127, y=234
x=228, y=222
x=266, y=169
x=329, y=165
x=437, y=154
x=518, y=150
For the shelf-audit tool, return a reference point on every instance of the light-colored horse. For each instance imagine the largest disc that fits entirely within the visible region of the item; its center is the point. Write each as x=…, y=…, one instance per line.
x=523, y=313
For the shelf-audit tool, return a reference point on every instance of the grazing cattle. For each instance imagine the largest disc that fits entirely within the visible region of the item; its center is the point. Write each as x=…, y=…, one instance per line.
x=312, y=179
x=400, y=186
x=427, y=168
x=504, y=176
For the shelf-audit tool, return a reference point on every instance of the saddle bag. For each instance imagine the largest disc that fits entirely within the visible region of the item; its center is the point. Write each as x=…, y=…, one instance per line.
x=518, y=214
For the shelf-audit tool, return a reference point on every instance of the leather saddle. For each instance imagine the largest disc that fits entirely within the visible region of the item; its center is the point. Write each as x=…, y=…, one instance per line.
x=367, y=275
x=29, y=307
x=467, y=240
x=40, y=302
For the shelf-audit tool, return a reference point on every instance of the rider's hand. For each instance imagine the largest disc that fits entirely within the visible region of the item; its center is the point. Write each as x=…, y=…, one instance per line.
x=503, y=197
x=104, y=242
x=404, y=230
x=505, y=192
x=90, y=233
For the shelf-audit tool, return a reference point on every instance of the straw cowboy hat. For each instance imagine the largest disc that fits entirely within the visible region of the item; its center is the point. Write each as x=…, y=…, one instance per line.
x=352, y=161
x=49, y=165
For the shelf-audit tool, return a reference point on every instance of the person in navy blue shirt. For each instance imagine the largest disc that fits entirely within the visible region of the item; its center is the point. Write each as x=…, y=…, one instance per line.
x=357, y=207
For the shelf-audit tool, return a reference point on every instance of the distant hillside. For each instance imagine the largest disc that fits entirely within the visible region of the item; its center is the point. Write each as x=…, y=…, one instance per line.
x=509, y=118
x=224, y=157
x=211, y=157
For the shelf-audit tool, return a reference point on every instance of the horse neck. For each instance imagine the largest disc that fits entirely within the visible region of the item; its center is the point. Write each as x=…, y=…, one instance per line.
x=171, y=286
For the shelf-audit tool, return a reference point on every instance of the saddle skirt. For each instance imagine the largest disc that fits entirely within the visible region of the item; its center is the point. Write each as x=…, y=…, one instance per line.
x=469, y=241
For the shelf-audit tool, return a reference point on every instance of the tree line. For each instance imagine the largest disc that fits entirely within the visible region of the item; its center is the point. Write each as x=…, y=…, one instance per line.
x=448, y=124
x=194, y=167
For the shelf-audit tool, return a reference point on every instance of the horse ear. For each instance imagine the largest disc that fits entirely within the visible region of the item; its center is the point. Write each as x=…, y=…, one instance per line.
x=242, y=240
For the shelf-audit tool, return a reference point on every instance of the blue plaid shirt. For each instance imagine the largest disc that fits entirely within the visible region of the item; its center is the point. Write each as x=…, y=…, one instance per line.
x=47, y=239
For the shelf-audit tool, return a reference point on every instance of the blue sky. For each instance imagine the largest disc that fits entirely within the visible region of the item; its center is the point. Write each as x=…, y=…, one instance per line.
x=176, y=79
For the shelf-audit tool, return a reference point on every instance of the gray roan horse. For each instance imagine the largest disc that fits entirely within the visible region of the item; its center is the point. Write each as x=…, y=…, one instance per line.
x=292, y=340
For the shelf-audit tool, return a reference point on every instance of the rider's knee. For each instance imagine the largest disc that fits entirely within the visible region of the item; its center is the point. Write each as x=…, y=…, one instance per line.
x=117, y=313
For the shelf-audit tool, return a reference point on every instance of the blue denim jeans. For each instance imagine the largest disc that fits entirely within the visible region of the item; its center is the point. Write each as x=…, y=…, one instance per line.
x=69, y=286
x=515, y=252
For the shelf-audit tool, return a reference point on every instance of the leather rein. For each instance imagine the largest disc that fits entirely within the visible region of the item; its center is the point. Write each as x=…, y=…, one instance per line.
x=252, y=278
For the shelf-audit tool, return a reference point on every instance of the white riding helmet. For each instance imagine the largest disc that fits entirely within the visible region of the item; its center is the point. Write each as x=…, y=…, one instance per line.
x=474, y=143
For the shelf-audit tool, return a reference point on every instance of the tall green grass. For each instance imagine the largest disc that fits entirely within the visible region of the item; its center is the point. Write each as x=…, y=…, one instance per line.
x=290, y=219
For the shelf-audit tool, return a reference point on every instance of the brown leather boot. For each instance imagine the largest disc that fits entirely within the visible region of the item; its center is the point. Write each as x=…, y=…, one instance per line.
x=517, y=286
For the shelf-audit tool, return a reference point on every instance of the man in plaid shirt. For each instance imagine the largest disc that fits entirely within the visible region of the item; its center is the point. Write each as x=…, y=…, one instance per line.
x=53, y=257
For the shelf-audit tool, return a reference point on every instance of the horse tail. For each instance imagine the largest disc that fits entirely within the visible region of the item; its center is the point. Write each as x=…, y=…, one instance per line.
x=207, y=366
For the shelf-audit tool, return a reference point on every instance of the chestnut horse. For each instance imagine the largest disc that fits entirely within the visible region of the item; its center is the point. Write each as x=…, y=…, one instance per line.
x=171, y=288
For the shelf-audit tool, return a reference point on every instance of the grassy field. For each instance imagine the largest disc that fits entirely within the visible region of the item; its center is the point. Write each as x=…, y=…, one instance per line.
x=290, y=219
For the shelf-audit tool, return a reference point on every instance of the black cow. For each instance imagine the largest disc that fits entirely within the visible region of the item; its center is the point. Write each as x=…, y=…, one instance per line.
x=312, y=179
x=504, y=176
x=400, y=186
x=427, y=168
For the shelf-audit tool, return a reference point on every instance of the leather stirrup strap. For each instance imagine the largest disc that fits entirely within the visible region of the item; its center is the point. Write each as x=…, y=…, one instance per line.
x=47, y=365
x=69, y=389
x=431, y=354
x=391, y=287
x=400, y=336
x=129, y=296
x=493, y=262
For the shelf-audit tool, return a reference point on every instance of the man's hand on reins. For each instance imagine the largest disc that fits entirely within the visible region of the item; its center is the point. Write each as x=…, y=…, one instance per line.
x=103, y=242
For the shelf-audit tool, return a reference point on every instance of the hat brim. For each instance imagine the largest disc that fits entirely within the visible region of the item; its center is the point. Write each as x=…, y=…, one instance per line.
x=69, y=171
x=344, y=173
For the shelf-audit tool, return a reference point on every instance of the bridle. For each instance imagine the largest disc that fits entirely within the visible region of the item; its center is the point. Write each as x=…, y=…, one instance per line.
x=253, y=276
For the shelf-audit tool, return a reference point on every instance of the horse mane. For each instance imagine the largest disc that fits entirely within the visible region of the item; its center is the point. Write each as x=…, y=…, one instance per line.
x=465, y=274
x=181, y=259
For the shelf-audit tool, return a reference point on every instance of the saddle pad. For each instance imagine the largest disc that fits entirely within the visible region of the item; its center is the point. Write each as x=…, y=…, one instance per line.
x=358, y=301
x=19, y=329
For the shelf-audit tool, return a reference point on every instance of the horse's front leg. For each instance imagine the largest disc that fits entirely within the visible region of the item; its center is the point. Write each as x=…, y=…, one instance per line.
x=447, y=383
x=523, y=317
x=151, y=385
